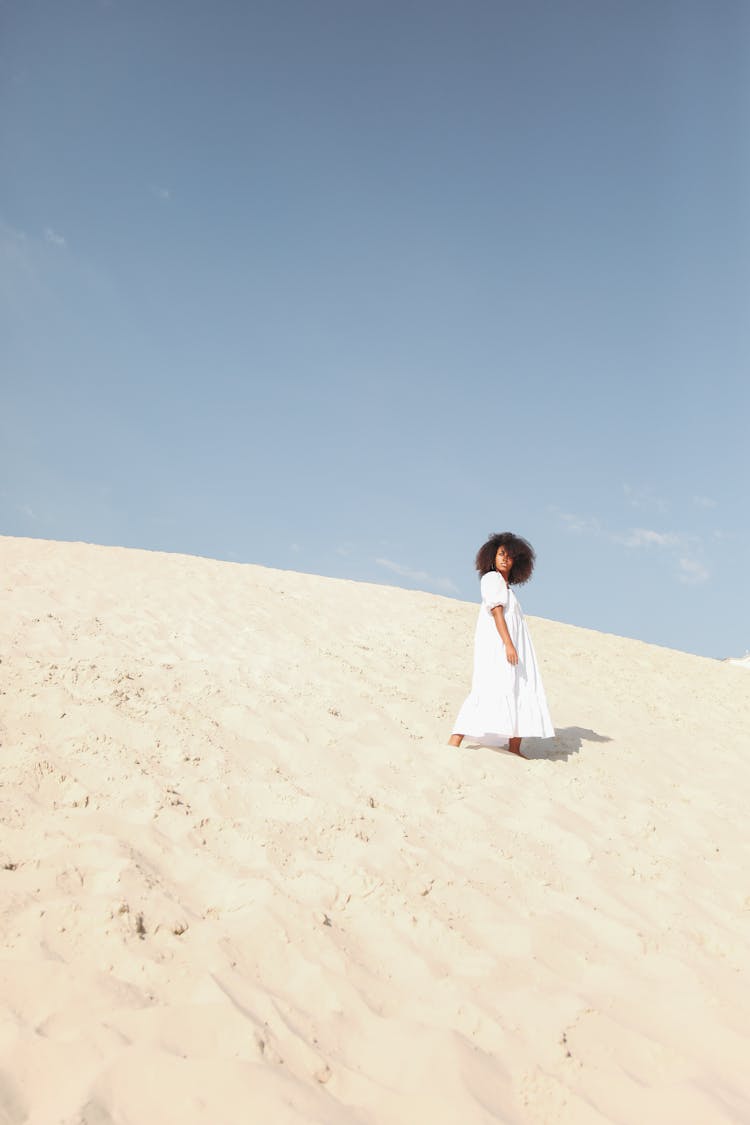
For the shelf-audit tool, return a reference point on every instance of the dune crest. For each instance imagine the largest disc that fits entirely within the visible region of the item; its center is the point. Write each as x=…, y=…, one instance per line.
x=243, y=877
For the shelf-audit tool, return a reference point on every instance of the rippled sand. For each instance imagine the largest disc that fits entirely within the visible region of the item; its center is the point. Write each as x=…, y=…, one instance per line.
x=242, y=877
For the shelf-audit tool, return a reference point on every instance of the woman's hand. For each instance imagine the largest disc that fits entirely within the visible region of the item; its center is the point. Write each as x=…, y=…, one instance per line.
x=502, y=628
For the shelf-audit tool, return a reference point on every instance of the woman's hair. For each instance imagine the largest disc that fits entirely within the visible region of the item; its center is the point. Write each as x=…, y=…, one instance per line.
x=519, y=550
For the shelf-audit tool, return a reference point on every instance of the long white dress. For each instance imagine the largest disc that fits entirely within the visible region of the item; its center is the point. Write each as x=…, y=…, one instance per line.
x=506, y=700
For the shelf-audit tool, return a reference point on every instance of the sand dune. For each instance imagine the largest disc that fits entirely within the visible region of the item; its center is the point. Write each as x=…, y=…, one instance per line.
x=243, y=878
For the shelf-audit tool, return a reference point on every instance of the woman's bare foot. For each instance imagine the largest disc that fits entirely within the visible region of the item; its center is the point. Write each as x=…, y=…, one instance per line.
x=455, y=740
x=514, y=745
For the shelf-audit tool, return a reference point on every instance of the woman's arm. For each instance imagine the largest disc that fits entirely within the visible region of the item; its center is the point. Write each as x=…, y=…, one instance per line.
x=502, y=628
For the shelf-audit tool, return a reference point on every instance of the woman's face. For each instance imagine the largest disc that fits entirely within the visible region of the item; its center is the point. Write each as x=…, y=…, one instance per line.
x=503, y=562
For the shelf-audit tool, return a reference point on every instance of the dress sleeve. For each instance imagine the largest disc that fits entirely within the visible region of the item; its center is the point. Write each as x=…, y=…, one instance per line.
x=493, y=589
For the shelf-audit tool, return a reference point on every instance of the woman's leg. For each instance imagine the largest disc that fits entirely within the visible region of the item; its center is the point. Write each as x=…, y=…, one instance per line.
x=455, y=740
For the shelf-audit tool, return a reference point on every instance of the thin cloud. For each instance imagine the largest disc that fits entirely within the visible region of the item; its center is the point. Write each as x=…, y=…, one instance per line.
x=162, y=193
x=644, y=499
x=55, y=238
x=690, y=571
x=704, y=502
x=444, y=585
x=634, y=537
x=404, y=571
x=645, y=537
x=580, y=524
x=693, y=572
x=13, y=234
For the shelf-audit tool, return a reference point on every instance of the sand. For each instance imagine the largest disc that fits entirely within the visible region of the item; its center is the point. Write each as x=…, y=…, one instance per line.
x=242, y=877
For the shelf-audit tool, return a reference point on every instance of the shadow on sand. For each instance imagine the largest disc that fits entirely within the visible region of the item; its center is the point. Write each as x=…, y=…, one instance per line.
x=567, y=741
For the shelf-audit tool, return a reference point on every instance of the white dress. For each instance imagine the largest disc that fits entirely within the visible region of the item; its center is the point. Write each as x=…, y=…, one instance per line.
x=506, y=700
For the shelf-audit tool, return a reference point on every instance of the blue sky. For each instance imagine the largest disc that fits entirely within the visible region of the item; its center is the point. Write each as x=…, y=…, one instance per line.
x=343, y=287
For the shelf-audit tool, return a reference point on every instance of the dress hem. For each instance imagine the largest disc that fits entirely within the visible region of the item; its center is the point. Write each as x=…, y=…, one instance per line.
x=499, y=734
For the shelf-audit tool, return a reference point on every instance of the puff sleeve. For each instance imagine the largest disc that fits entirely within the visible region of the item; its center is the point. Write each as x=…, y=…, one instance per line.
x=494, y=590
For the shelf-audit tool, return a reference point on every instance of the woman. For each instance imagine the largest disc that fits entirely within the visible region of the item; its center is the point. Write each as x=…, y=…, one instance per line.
x=507, y=699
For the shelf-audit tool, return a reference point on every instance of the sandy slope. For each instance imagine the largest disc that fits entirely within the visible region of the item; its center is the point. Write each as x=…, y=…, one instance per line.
x=243, y=879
